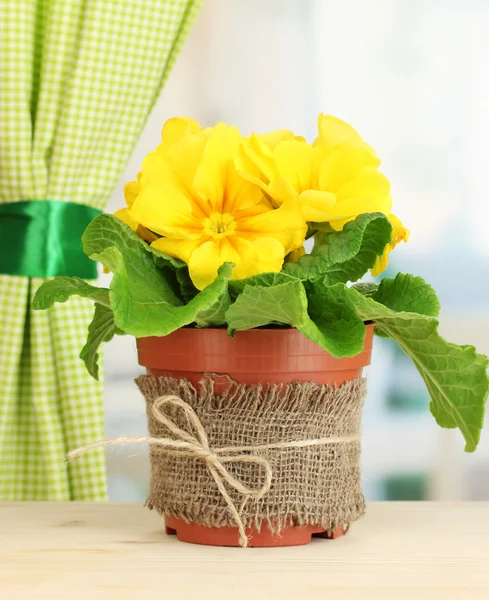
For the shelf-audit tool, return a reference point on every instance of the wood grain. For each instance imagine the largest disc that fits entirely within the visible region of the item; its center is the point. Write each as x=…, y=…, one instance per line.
x=399, y=551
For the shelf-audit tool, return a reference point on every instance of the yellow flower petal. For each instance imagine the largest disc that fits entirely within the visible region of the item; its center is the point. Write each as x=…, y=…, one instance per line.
x=316, y=205
x=272, y=138
x=250, y=257
x=399, y=234
x=342, y=165
x=131, y=190
x=156, y=170
x=348, y=209
x=381, y=262
x=165, y=209
x=294, y=161
x=207, y=258
x=247, y=169
x=285, y=223
x=143, y=233
x=371, y=185
x=269, y=258
x=216, y=165
x=258, y=209
x=181, y=249
x=296, y=254
x=334, y=132
x=178, y=127
x=262, y=156
x=368, y=192
x=123, y=215
x=183, y=158
x=216, y=182
x=279, y=190
x=239, y=193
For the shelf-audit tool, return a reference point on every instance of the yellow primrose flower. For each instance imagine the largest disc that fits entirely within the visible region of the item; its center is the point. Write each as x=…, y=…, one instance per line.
x=334, y=132
x=336, y=178
x=399, y=234
x=173, y=130
x=192, y=195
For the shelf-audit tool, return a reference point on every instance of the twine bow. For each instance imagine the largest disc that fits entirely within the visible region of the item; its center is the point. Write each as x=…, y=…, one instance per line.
x=197, y=446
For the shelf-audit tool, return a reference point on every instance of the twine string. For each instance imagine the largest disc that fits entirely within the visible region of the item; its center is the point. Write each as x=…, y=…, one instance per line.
x=197, y=446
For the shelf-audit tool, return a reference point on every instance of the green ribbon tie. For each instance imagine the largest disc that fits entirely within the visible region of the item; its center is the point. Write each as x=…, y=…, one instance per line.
x=42, y=238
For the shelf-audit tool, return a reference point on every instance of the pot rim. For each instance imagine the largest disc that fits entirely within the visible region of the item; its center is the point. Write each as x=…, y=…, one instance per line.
x=254, y=355
x=269, y=330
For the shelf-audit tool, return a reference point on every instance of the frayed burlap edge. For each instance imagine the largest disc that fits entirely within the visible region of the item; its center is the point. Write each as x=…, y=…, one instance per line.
x=318, y=485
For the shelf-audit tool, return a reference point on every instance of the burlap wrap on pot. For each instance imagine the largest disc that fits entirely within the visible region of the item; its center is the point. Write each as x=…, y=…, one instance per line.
x=316, y=485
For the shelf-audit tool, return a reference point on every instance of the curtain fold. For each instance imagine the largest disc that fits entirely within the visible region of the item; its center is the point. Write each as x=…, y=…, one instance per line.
x=78, y=79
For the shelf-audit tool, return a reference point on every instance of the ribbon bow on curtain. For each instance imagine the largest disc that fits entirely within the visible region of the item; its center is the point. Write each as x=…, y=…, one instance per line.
x=78, y=79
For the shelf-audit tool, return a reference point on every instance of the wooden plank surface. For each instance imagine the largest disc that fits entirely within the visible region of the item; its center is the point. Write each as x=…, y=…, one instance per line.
x=399, y=551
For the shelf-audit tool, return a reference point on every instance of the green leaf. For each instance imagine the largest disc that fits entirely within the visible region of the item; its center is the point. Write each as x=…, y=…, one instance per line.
x=101, y=329
x=257, y=306
x=137, y=280
x=340, y=330
x=456, y=376
x=139, y=290
x=163, y=260
x=141, y=295
x=331, y=322
x=215, y=315
x=60, y=289
x=187, y=288
x=315, y=227
x=173, y=271
x=345, y=255
x=139, y=313
x=409, y=294
x=366, y=288
x=236, y=286
x=180, y=274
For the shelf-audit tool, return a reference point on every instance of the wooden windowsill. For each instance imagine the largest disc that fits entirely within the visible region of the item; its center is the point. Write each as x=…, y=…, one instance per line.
x=399, y=551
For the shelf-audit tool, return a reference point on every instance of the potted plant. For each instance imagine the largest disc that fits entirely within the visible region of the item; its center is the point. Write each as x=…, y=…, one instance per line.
x=254, y=348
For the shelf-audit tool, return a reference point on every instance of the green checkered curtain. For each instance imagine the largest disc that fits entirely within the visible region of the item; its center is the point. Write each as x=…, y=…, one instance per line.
x=77, y=81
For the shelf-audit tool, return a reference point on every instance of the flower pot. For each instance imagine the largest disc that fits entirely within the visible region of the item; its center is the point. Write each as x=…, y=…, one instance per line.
x=264, y=356
x=229, y=536
x=197, y=363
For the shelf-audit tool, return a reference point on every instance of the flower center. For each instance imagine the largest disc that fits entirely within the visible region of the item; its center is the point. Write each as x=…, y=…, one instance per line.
x=219, y=225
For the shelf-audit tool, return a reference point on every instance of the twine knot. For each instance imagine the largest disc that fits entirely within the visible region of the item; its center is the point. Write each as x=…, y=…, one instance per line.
x=197, y=446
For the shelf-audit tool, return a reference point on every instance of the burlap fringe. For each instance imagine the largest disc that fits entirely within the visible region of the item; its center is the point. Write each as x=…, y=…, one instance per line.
x=317, y=485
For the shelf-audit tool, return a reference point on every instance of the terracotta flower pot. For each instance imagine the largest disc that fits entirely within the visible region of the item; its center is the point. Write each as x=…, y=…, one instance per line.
x=258, y=356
